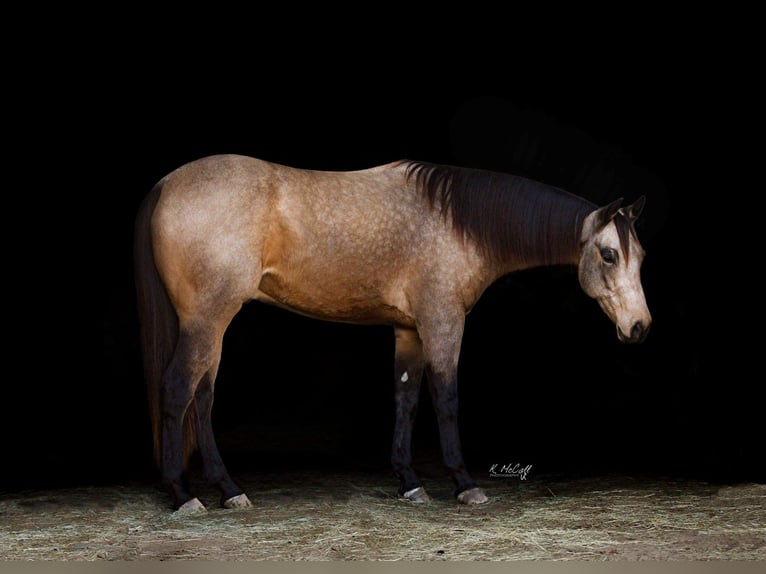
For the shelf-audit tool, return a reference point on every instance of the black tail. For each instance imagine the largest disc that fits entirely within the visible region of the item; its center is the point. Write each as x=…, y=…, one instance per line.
x=158, y=326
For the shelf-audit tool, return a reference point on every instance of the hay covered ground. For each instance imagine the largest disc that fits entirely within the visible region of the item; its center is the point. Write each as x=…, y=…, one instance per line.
x=357, y=516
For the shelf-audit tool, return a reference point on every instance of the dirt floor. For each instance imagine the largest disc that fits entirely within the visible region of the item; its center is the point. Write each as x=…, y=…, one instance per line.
x=357, y=516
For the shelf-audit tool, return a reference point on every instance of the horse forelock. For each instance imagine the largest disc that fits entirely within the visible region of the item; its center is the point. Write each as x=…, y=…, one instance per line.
x=507, y=216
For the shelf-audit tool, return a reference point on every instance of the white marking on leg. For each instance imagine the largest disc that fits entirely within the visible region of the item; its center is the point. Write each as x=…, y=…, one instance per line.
x=405, y=377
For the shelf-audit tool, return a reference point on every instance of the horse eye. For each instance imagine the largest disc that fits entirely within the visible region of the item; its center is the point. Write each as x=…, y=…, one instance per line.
x=609, y=255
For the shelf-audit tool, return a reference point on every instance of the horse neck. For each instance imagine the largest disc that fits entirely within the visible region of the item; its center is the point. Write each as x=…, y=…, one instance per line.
x=551, y=236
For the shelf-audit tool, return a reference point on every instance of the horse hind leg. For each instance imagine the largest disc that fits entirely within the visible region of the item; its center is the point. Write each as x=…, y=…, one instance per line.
x=215, y=471
x=408, y=374
x=195, y=360
x=178, y=386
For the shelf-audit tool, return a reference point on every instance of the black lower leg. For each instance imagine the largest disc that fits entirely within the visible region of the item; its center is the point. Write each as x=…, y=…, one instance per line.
x=172, y=464
x=408, y=373
x=212, y=463
x=444, y=395
x=401, y=452
x=178, y=387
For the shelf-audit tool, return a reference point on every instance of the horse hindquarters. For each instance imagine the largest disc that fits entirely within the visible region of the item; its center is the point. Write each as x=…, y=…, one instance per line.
x=180, y=364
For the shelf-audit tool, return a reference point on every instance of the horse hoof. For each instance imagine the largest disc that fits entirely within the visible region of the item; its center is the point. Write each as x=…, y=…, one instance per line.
x=472, y=496
x=239, y=501
x=417, y=495
x=192, y=505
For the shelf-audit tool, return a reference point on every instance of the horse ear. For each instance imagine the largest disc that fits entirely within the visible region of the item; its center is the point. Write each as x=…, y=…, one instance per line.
x=634, y=210
x=605, y=214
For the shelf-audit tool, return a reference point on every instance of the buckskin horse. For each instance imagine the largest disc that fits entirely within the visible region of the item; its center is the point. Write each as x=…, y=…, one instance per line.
x=409, y=244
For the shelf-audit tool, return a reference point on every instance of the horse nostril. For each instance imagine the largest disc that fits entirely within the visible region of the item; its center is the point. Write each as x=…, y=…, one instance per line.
x=637, y=331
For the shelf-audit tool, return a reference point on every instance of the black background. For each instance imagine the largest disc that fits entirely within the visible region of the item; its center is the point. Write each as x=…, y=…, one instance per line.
x=543, y=379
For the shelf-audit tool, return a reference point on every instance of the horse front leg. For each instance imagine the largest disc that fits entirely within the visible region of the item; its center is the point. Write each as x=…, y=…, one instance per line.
x=408, y=374
x=443, y=388
x=442, y=350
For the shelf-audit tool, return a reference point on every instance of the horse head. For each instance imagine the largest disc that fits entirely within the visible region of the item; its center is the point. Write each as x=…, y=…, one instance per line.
x=609, y=268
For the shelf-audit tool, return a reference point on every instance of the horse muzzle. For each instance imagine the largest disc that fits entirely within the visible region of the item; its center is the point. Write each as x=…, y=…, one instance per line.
x=638, y=333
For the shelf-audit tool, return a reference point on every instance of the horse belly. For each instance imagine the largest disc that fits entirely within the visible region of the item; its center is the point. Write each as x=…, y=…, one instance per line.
x=338, y=253
x=331, y=297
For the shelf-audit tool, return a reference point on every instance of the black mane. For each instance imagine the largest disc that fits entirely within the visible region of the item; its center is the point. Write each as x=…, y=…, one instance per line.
x=507, y=216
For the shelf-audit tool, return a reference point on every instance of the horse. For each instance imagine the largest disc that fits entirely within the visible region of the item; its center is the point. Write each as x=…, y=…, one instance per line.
x=409, y=244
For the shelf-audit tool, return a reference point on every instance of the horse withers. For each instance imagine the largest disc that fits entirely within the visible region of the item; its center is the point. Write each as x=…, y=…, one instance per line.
x=409, y=244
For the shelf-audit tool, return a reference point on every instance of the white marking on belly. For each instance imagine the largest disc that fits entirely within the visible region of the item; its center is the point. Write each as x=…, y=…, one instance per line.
x=405, y=377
